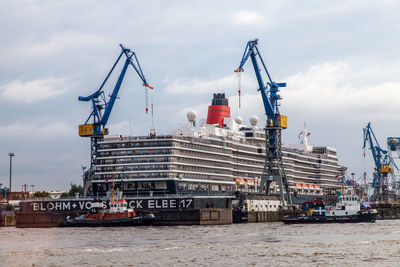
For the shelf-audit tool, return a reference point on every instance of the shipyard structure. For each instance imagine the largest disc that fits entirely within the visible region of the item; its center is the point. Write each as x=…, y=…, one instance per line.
x=217, y=156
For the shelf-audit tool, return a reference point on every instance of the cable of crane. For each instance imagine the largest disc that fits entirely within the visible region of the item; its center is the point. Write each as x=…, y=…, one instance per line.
x=146, y=91
x=152, y=129
x=239, y=81
x=239, y=85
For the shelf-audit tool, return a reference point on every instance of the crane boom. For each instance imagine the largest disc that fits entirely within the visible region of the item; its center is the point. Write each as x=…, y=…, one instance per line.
x=99, y=102
x=270, y=90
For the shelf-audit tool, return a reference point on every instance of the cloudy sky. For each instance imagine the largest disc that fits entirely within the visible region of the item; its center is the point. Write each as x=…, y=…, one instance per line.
x=340, y=60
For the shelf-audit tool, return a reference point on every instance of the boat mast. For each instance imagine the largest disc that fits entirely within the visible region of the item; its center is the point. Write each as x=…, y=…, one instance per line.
x=343, y=181
x=112, y=189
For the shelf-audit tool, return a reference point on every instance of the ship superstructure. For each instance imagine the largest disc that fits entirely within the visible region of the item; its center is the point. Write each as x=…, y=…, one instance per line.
x=218, y=156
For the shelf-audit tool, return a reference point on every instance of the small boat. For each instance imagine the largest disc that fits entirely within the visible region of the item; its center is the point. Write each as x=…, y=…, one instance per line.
x=118, y=214
x=347, y=210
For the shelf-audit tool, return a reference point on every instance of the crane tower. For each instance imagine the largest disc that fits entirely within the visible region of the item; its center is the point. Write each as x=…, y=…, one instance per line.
x=273, y=166
x=95, y=125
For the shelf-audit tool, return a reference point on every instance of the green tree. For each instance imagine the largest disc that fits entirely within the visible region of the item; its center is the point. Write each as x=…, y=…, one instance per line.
x=72, y=191
x=41, y=194
x=65, y=195
x=76, y=189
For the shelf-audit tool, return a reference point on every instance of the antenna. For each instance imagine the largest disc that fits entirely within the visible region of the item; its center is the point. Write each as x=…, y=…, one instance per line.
x=130, y=127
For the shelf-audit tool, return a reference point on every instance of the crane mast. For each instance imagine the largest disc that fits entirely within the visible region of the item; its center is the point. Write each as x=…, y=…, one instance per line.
x=273, y=166
x=95, y=125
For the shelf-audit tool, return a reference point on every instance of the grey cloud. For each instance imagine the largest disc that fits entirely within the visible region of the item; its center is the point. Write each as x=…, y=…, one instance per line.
x=182, y=41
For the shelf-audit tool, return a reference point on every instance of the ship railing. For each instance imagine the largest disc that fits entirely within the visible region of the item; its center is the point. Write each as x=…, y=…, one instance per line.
x=133, y=138
x=190, y=194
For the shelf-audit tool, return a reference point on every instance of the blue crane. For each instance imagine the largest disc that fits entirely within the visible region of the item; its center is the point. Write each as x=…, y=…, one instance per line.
x=99, y=101
x=273, y=167
x=383, y=163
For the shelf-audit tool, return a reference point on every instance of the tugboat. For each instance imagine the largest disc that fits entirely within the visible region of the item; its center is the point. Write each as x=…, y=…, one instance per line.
x=118, y=214
x=347, y=210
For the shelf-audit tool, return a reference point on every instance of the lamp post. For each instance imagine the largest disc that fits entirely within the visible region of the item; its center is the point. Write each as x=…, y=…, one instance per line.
x=10, y=155
x=83, y=171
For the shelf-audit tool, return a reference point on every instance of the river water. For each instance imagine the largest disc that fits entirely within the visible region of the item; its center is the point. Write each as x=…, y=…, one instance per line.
x=256, y=244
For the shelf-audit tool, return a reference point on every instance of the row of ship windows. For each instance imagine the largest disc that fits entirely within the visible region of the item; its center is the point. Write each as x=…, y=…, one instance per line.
x=134, y=175
x=323, y=150
x=205, y=141
x=134, y=152
x=200, y=169
x=161, y=185
x=248, y=149
x=133, y=186
x=199, y=146
x=234, y=172
x=248, y=168
x=303, y=158
x=317, y=171
x=191, y=169
x=136, y=144
x=205, y=187
x=203, y=147
x=168, y=151
x=244, y=164
x=204, y=162
x=132, y=160
x=134, y=168
x=158, y=160
x=122, y=176
x=202, y=177
x=160, y=151
x=203, y=155
x=163, y=167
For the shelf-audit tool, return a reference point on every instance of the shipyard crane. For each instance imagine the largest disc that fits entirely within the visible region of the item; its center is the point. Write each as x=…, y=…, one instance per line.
x=273, y=167
x=383, y=162
x=393, y=144
x=95, y=125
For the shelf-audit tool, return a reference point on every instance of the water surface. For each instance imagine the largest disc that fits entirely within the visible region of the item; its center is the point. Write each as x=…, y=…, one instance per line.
x=257, y=244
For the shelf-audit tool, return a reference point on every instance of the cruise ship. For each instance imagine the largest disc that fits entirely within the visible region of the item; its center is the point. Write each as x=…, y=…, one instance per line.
x=216, y=156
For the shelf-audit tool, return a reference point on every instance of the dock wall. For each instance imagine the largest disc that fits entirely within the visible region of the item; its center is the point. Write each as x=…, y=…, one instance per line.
x=167, y=211
x=7, y=220
x=268, y=216
x=388, y=213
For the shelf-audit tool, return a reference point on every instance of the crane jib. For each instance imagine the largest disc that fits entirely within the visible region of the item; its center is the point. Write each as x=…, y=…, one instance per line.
x=270, y=91
x=99, y=101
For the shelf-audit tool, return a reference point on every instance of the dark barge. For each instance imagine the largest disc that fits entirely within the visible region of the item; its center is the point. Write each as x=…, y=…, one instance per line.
x=168, y=210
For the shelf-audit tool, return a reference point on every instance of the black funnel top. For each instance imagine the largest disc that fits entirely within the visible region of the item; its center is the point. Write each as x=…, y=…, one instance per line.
x=219, y=99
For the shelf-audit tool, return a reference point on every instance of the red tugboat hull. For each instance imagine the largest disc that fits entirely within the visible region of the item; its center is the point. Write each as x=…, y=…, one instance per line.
x=116, y=220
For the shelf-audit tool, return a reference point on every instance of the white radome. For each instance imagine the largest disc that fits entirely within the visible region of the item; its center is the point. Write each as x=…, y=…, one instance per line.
x=191, y=115
x=238, y=120
x=253, y=120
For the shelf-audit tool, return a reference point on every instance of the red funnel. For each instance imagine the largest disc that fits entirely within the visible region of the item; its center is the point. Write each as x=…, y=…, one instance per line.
x=218, y=110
